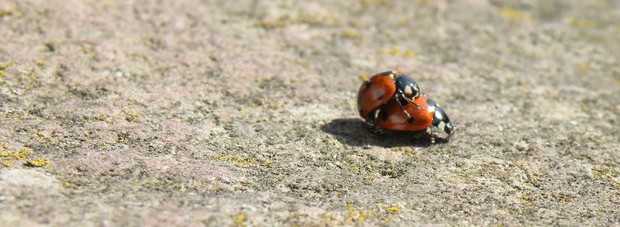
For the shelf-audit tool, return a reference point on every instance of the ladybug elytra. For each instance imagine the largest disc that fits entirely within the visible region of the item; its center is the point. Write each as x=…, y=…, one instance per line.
x=382, y=87
x=392, y=101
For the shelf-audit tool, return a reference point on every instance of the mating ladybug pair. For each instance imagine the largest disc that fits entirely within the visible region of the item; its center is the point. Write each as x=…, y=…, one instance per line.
x=392, y=100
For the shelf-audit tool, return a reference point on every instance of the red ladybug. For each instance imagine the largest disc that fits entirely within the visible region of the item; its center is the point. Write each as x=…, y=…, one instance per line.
x=423, y=114
x=383, y=87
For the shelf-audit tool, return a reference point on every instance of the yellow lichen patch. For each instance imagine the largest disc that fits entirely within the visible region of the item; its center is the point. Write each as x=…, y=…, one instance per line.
x=406, y=150
x=364, y=214
x=8, y=11
x=410, y=54
x=8, y=157
x=578, y=22
x=561, y=197
x=528, y=200
x=42, y=63
x=374, y=3
x=584, y=67
x=302, y=63
x=318, y=18
x=363, y=76
x=398, y=51
x=281, y=22
x=100, y=117
x=608, y=174
x=4, y=66
x=238, y=161
x=24, y=153
x=355, y=215
x=7, y=163
x=240, y=220
x=39, y=162
x=514, y=14
x=45, y=137
x=266, y=163
x=394, y=210
x=395, y=50
x=132, y=117
x=66, y=184
x=349, y=34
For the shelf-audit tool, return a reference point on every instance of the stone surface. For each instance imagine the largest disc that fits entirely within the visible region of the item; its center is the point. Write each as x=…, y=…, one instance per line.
x=190, y=113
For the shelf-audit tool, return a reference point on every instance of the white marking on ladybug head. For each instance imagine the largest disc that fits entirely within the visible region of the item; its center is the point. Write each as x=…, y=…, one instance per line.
x=431, y=109
x=408, y=91
x=442, y=126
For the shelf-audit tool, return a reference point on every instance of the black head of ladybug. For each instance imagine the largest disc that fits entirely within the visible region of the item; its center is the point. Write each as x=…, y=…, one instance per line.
x=441, y=119
x=406, y=87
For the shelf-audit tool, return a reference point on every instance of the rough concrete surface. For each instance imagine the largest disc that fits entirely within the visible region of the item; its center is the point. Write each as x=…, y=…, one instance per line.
x=206, y=112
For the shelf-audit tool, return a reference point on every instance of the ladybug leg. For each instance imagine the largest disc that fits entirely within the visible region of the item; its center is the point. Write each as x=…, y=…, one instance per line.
x=411, y=101
x=409, y=118
x=432, y=135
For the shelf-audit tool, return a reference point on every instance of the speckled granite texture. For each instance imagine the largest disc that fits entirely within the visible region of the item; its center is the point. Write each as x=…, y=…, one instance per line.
x=191, y=113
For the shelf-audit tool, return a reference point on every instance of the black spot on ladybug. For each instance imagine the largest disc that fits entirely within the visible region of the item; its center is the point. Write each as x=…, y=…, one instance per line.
x=430, y=102
x=410, y=120
x=383, y=115
x=379, y=94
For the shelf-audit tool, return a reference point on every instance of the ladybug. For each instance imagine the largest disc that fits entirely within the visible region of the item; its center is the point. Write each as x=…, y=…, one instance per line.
x=423, y=114
x=383, y=87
